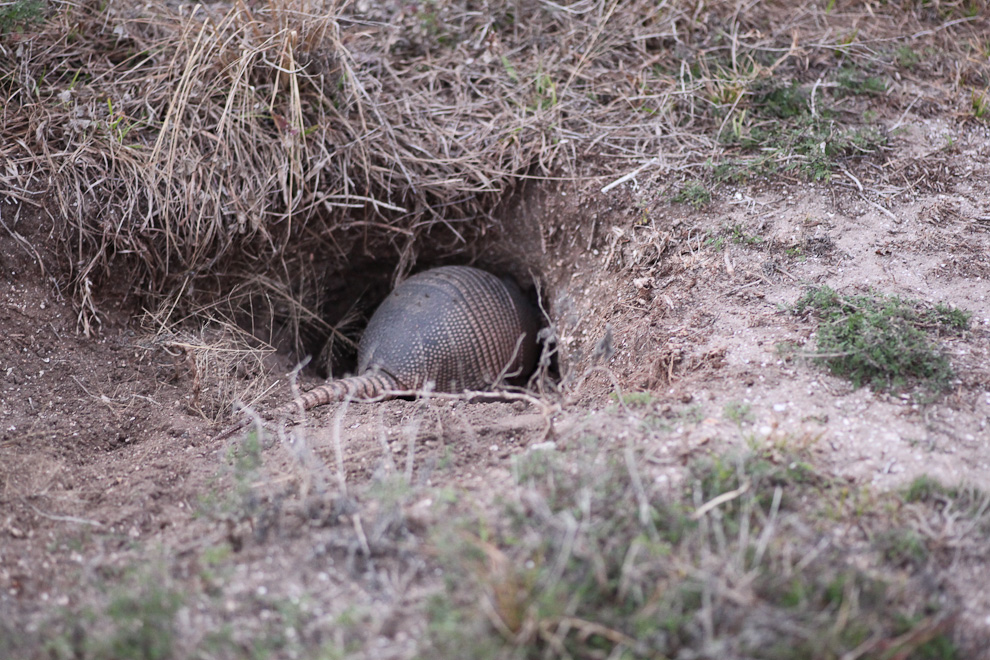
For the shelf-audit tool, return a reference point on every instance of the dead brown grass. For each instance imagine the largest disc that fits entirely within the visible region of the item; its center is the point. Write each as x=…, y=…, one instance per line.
x=194, y=146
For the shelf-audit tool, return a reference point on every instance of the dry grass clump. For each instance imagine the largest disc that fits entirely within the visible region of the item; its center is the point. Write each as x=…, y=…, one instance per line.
x=198, y=145
x=588, y=559
x=200, y=142
x=222, y=365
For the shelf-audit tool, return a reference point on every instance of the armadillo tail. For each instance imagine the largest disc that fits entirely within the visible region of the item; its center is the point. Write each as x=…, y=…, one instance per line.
x=368, y=386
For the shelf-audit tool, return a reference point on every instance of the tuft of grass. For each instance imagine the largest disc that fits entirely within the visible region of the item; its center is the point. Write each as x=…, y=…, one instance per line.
x=639, y=399
x=740, y=237
x=906, y=57
x=951, y=502
x=144, y=623
x=694, y=193
x=855, y=82
x=901, y=547
x=782, y=101
x=793, y=127
x=927, y=489
x=593, y=563
x=136, y=622
x=980, y=105
x=16, y=15
x=739, y=413
x=715, y=241
x=882, y=341
x=948, y=317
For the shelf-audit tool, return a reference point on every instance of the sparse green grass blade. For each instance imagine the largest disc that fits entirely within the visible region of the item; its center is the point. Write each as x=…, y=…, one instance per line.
x=591, y=564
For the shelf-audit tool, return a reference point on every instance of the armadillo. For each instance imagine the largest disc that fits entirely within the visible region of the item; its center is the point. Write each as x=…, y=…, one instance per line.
x=454, y=328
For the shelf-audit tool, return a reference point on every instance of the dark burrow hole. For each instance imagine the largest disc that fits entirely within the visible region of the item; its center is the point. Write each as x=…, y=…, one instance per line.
x=328, y=343
x=336, y=285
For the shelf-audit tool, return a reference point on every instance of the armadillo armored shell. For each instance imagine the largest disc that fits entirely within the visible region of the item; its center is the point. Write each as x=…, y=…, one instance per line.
x=457, y=327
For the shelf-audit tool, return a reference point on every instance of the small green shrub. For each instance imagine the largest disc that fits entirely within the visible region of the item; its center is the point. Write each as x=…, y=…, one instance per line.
x=694, y=193
x=17, y=14
x=881, y=341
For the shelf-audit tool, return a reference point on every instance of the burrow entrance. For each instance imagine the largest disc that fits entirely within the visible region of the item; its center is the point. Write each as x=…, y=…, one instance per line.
x=333, y=297
x=569, y=248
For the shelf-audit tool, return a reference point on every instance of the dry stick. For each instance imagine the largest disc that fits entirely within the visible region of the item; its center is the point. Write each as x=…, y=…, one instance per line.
x=879, y=208
x=591, y=628
x=721, y=499
x=768, y=529
x=72, y=519
x=338, y=419
x=362, y=538
x=852, y=178
x=630, y=175
x=812, y=554
x=744, y=523
x=642, y=499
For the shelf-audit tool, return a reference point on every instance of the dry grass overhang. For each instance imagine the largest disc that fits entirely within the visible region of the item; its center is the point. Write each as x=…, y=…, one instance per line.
x=198, y=145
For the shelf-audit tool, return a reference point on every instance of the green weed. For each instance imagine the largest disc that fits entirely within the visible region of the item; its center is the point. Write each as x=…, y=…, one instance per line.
x=740, y=237
x=545, y=90
x=855, y=82
x=880, y=340
x=784, y=130
x=782, y=102
x=901, y=547
x=927, y=489
x=694, y=193
x=715, y=241
x=137, y=622
x=906, y=57
x=738, y=413
x=952, y=318
x=980, y=105
x=17, y=15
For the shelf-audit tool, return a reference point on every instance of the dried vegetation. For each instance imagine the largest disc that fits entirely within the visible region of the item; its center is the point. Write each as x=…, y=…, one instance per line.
x=195, y=147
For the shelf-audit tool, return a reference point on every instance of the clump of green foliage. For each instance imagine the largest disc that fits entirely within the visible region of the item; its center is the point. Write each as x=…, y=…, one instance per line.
x=882, y=341
x=981, y=105
x=17, y=14
x=783, y=128
x=694, y=193
x=852, y=81
x=136, y=622
x=136, y=615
